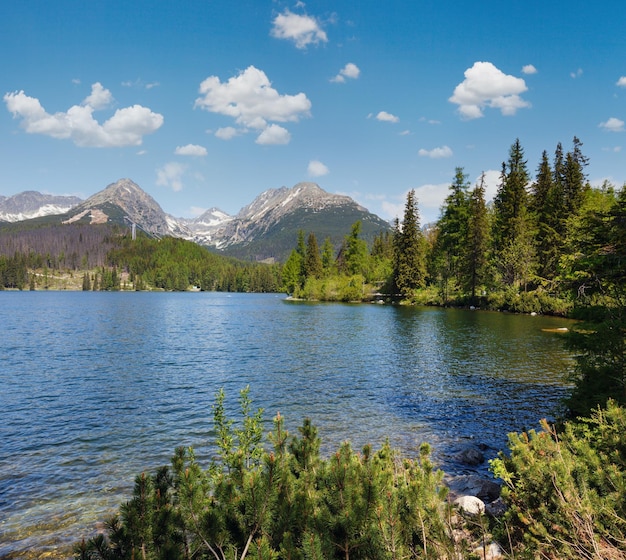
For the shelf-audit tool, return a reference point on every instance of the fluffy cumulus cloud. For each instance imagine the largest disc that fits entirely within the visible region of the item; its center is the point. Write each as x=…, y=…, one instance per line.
x=621, y=82
x=99, y=98
x=387, y=117
x=317, y=169
x=436, y=153
x=171, y=176
x=487, y=86
x=226, y=132
x=613, y=125
x=126, y=127
x=253, y=103
x=190, y=150
x=529, y=69
x=350, y=70
x=274, y=135
x=303, y=30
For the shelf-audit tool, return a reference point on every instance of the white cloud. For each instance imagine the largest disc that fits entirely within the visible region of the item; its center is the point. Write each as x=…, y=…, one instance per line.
x=226, y=132
x=126, y=127
x=529, y=69
x=274, y=135
x=621, y=82
x=487, y=86
x=317, y=169
x=387, y=117
x=190, y=150
x=170, y=175
x=139, y=83
x=436, y=153
x=613, y=125
x=302, y=30
x=250, y=99
x=99, y=98
x=576, y=74
x=350, y=70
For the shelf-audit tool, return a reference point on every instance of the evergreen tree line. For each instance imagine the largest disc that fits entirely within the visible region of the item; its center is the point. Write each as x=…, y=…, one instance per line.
x=518, y=253
x=111, y=260
x=176, y=264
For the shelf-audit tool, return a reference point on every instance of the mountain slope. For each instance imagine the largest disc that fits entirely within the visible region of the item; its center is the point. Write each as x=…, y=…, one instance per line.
x=267, y=228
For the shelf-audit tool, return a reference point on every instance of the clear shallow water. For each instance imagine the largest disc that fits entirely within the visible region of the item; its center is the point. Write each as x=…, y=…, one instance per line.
x=96, y=387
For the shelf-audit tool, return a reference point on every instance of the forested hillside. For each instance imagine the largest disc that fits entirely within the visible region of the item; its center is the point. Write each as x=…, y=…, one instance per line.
x=105, y=257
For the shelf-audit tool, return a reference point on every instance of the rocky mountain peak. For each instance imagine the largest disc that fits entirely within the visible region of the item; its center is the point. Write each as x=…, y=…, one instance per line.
x=138, y=206
x=278, y=202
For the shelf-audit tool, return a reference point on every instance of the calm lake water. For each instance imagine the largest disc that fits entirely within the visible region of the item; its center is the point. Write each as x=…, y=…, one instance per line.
x=96, y=387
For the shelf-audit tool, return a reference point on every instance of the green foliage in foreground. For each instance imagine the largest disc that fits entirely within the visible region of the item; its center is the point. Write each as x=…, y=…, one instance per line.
x=286, y=503
x=566, y=490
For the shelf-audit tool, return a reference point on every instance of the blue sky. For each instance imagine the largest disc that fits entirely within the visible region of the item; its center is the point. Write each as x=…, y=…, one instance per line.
x=208, y=102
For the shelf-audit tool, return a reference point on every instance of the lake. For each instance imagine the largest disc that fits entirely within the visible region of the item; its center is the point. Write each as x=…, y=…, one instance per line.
x=96, y=387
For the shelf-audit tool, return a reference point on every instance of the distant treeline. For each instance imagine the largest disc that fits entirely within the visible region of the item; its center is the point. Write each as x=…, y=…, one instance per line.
x=57, y=246
x=111, y=260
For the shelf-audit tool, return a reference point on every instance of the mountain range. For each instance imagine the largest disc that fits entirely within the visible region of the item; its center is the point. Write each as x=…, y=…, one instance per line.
x=264, y=230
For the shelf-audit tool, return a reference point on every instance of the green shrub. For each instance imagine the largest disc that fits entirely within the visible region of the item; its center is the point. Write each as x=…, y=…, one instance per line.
x=285, y=503
x=566, y=491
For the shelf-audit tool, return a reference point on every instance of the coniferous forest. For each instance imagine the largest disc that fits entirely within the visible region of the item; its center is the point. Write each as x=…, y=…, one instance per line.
x=525, y=251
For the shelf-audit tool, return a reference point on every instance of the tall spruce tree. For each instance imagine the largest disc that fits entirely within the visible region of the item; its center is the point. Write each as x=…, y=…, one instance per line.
x=574, y=178
x=546, y=205
x=511, y=232
x=312, y=259
x=409, y=262
x=475, y=261
x=452, y=235
x=355, y=253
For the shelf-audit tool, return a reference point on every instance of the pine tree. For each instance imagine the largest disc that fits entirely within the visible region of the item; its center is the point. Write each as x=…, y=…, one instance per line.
x=409, y=262
x=312, y=261
x=512, y=233
x=452, y=225
x=546, y=206
x=355, y=253
x=574, y=179
x=474, y=263
x=292, y=273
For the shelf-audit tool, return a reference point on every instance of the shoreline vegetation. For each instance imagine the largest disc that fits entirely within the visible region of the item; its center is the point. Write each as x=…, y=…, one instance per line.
x=274, y=496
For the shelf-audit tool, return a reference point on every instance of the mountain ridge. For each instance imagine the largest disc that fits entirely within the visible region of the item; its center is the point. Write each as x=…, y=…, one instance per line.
x=264, y=229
